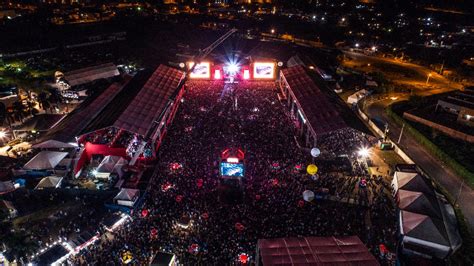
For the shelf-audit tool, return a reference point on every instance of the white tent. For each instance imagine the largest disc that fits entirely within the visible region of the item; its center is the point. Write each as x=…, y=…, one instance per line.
x=354, y=98
x=110, y=164
x=412, y=182
x=119, y=165
x=127, y=197
x=49, y=182
x=45, y=160
x=308, y=195
x=53, y=144
x=424, y=234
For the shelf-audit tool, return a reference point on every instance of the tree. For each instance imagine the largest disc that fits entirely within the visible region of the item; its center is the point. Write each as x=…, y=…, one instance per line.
x=3, y=114
x=19, y=245
x=42, y=99
x=19, y=110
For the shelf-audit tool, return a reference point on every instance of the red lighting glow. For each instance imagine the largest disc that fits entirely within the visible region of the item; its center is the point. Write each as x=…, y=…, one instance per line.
x=243, y=258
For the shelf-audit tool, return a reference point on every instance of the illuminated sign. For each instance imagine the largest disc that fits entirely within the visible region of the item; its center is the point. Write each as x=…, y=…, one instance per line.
x=201, y=70
x=232, y=160
x=263, y=70
x=232, y=169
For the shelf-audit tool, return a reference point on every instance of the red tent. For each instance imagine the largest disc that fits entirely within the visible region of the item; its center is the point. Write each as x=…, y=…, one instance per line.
x=347, y=250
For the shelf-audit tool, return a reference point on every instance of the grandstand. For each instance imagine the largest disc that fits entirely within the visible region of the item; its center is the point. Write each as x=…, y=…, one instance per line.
x=317, y=112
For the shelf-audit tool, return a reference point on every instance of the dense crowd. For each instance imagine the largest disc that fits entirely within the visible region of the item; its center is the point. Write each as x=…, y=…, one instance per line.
x=217, y=116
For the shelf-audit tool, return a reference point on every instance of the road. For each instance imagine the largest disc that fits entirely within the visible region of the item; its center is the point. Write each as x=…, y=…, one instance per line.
x=402, y=73
x=431, y=165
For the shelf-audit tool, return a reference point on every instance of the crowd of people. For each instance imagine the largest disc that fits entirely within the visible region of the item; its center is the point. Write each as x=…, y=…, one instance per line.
x=187, y=183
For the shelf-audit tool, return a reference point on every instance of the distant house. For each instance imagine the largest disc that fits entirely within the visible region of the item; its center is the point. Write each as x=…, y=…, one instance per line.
x=460, y=103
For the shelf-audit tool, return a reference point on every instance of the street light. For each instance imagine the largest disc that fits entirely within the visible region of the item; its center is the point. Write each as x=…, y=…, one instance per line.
x=273, y=31
x=428, y=78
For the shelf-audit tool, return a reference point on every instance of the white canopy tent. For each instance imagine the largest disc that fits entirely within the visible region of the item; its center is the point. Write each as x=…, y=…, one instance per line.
x=127, y=197
x=423, y=234
x=110, y=164
x=428, y=224
x=357, y=96
x=418, y=202
x=412, y=182
x=49, y=182
x=45, y=160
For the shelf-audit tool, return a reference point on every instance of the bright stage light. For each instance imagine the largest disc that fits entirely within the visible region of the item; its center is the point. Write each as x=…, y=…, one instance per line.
x=233, y=68
x=363, y=152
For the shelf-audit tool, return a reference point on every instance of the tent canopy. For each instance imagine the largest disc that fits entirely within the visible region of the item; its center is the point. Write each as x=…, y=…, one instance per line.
x=147, y=106
x=423, y=227
x=127, y=194
x=413, y=182
x=315, y=251
x=108, y=163
x=419, y=202
x=49, y=182
x=53, y=144
x=45, y=160
x=320, y=112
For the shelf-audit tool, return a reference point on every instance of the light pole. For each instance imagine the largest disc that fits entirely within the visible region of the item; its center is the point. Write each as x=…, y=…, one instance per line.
x=428, y=78
x=459, y=193
x=401, y=133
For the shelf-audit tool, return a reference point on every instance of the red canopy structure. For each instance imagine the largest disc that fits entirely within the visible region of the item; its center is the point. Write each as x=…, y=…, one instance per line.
x=347, y=250
x=148, y=105
x=311, y=102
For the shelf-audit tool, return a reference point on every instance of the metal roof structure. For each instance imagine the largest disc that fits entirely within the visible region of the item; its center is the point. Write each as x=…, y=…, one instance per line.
x=71, y=126
x=149, y=103
x=88, y=74
x=316, y=106
x=347, y=250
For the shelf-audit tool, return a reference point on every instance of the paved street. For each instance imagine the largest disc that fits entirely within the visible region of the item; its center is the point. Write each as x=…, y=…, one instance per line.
x=435, y=168
x=403, y=73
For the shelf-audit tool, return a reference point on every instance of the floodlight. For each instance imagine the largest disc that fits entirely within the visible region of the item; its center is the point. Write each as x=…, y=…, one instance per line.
x=363, y=152
x=233, y=68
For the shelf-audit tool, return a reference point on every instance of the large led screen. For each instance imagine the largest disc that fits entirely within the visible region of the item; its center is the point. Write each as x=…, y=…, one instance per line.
x=263, y=70
x=232, y=169
x=201, y=70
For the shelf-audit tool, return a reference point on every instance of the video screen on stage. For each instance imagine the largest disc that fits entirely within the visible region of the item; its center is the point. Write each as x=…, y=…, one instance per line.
x=201, y=70
x=232, y=169
x=263, y=70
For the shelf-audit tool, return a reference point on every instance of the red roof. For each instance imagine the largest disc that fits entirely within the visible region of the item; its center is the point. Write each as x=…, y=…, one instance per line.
x=348, y=250
x=320, y=112
x=147, y=106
